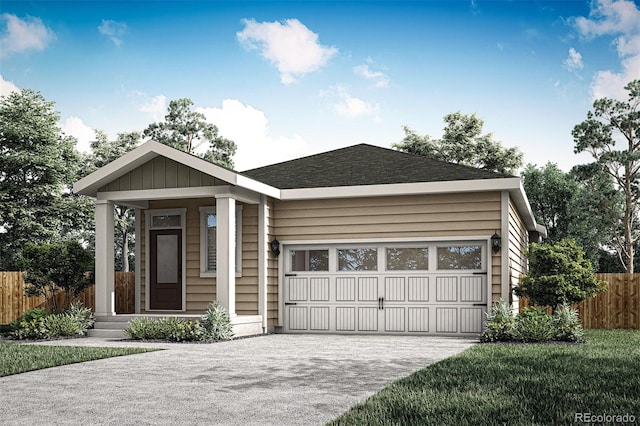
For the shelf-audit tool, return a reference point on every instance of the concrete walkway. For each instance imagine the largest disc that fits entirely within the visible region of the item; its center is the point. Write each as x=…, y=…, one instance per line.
x=269, y=380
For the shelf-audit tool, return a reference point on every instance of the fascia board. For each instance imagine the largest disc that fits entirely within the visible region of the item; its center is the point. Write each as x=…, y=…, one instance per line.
x=479, y=185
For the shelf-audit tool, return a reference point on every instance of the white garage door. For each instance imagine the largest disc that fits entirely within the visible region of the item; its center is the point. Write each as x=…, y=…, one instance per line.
x=426, y=288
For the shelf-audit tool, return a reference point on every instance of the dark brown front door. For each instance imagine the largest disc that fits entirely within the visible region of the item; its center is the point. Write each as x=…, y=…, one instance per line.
x=165, y=275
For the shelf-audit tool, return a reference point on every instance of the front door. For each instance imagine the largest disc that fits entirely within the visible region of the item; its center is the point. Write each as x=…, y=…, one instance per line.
x=165, y=269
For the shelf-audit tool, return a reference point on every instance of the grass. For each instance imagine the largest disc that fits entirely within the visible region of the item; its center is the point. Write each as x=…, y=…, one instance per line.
x=17, y=358
x=515, y=385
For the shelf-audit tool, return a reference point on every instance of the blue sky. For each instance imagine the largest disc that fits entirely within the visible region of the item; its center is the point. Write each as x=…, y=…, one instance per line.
x=286, y=79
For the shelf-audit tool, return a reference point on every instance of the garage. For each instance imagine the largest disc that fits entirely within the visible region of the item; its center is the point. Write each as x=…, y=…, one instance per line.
x=437, y=288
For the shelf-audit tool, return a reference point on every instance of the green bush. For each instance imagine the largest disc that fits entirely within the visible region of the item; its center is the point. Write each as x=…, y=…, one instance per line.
x=214, y=325
x=31, y=325
x=216, y=322
x=62, y=325
x=82, y=316
x=499, y=323
x=533, y=325
x=567, y=324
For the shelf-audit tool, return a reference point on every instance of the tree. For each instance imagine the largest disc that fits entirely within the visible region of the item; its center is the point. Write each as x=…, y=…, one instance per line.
x=49, y=268
x=558, y=274
x=38, y=165
x=571, y=205
x=614, y=121
x=105, y=151
x=186, y=130
x=463, y=143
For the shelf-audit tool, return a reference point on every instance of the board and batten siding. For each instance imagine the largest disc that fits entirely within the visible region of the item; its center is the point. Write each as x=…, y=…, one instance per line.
x=161, y=173
x=202, y=290
x=407, y=216
x=518, y=244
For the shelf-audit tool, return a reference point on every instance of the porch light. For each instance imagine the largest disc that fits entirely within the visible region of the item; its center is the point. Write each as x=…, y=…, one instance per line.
x=496, y=242
x=275, y=247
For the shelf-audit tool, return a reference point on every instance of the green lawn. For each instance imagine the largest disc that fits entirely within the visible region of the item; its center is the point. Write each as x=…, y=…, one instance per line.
x=515, y=385
x=18, y=358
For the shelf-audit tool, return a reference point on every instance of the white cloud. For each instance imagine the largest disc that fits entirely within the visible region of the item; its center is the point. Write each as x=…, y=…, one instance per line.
x=290, y=46
x=114, y=30
x=75, y=127
x=573, y=61
x=619, y=18
x=349, y=106
x=156, y=107
x=379, y=78
x=248, y=127
x=24, y=34
x=6, y=87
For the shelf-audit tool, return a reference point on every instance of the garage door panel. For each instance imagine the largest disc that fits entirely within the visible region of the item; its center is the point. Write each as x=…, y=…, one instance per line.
x=368, y=289
x=446, y=320
x=319, y=318
x=367, y=319
x=394, y=289
x=394, y=319
x=446, y=289
x=297, y=318
x=471, y=289
x=345, y=289
x=297, y=289
x=418, y=289
x=470, y=320
x=319, y=289
x=418, y=320
x=345, y=319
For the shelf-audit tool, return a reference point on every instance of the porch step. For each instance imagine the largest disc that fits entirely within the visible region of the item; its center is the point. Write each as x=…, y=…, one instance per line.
x=109, y=327
x=106, y=333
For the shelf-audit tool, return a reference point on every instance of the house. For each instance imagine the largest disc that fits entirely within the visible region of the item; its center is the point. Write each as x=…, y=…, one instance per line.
x=361, y=239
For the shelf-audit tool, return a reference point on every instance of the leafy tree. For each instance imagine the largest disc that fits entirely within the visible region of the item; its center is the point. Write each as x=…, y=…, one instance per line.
x=186, y=130
x=105, y=151
x=463, y=143
x=614, y=121
x=570, y=205
x=49, y=268
x=558, y=274
x=38, y=164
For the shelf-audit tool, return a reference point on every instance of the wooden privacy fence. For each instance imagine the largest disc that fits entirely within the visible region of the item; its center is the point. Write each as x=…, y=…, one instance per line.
x=13, y=302
x=618, y=307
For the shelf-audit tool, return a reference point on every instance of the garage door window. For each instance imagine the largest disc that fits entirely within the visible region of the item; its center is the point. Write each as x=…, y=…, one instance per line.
x=460, y=257
x=407, y=259
x=310, y=260
x=358, y=259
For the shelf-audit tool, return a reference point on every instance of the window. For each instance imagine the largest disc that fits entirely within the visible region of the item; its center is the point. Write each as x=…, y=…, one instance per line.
x=358, y=259
x=407, y=259
x=310, y=260
x=166, y=221
x=460, y=257
x=208, y=235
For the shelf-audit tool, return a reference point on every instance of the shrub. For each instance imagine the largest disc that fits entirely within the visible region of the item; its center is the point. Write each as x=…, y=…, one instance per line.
x=31, y=325
x=144, y=329
x=62, y=325
x=188, y=331
x=533, y=324
x=499, y=323
x=216, y=322
x=567, y=325
x=168, y=328
x=82, y=316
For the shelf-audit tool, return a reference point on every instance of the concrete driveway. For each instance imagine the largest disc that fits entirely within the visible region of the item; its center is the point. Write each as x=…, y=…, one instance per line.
x=276, y=379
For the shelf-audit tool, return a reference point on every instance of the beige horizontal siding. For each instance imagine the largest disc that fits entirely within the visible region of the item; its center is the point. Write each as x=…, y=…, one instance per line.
x=518, y=244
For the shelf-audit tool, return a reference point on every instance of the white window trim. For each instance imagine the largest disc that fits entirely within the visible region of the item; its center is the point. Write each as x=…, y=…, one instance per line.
x=147, y=276
x=204, y=211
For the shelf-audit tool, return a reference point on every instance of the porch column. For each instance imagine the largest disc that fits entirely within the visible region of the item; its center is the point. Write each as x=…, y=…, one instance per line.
x=104, y=259
x=226, y=252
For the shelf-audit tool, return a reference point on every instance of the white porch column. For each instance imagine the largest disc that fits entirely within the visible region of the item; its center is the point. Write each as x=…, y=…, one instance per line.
x=263, y=256
x=226, y=252
x=105, y=298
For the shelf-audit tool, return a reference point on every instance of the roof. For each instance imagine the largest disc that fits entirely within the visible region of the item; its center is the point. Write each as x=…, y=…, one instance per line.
x=363, y=164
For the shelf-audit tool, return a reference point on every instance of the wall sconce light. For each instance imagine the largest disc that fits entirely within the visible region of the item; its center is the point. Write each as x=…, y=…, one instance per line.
x=496, y=242
x=275, y=247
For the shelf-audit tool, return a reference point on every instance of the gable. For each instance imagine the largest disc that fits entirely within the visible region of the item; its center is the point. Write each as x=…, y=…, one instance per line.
x=161, y=173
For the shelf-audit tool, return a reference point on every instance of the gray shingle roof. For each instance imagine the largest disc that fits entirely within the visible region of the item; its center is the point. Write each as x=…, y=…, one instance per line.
x=363, y=164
